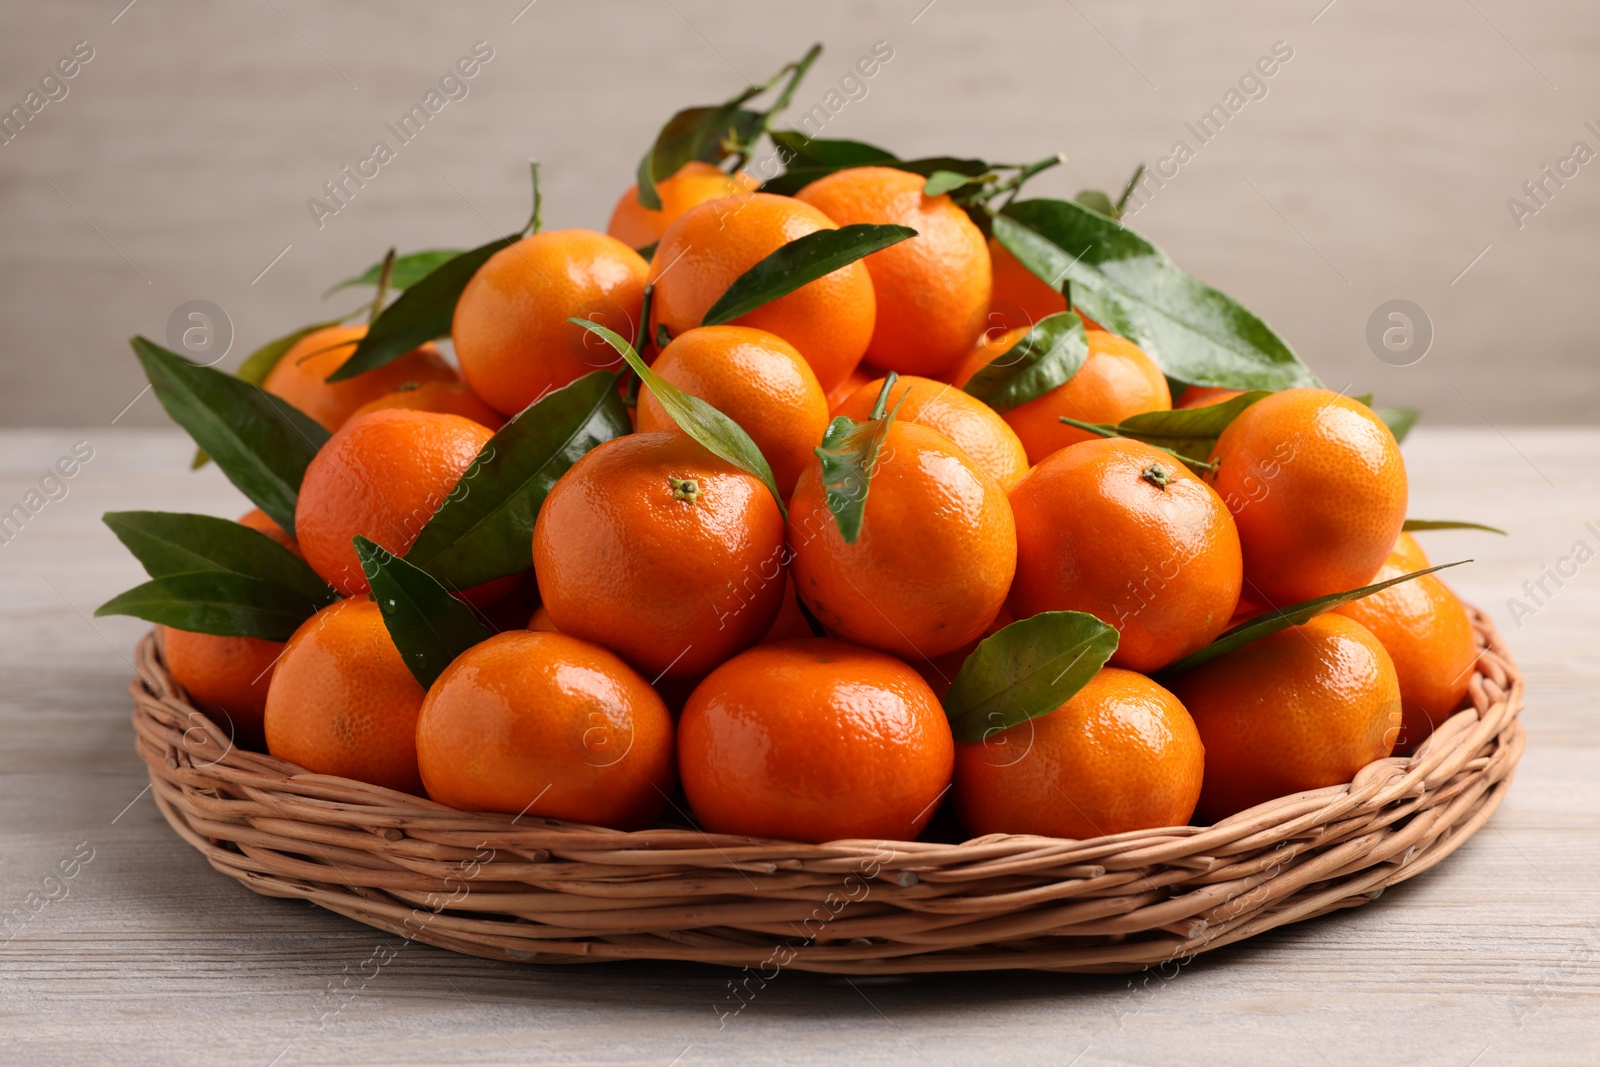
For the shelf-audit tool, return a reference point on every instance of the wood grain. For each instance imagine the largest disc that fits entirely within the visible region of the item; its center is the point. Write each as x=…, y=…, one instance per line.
x=151, y=957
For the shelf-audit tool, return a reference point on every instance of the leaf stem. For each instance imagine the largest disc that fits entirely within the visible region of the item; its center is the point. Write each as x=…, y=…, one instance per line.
x=536, y=219
x=1106, y=431
x=383, y=287
x=1127, y=190
x=882, y=405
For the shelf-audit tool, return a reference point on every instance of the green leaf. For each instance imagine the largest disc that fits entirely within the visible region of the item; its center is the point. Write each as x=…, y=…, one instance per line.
x=717, y=433
x=1399, y=420
x=1283, y=618
x=429, y=627
x=262, y=443
x=175, y=543
x=849, y=455
x=216, y=602
x=258, y=364
x=408, y=270
x=1129, y=285
x=1028, y=669
x=1096, y=200
x=1190, y=432
x=421, y=313
x=806, y=159
x=1412, y=525
x=944, y=181
x=486, y=532
x=648, y=252
x=1047, y=356
x=714, y=134
x=802, y=260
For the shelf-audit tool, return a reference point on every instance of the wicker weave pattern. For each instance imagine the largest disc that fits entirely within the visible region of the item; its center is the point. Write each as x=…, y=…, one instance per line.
x=546, y=891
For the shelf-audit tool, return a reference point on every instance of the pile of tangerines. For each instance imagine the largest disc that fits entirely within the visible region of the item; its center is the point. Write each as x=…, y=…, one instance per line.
x=771, y=648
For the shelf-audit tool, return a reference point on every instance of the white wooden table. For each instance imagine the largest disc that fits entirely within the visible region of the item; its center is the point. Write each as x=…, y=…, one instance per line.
x=145, y=955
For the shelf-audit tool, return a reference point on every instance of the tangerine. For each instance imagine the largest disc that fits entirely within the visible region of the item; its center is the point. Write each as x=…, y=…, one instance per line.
x=932, y=290
x=985, y=437
x=381, y=475
x=1121, y=754
x=342, y=701
x=1318, y=490
x=300, y=376
x=664, y=553
x=694, y=183
x=934, y=556
x=814, y=740
x=755, y=378
x=546, y=725
x=510, y=326
x=1122, y=530
x=711, y=245
x=444, y=398
x=1299, y=709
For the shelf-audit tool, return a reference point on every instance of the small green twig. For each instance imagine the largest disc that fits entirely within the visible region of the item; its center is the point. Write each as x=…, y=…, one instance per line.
x=1107, y=431
x=536, y=219
x=1127, y=190
x=383, y=287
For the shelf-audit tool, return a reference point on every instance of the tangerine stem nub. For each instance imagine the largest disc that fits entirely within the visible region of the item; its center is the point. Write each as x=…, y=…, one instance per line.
x=1156, y=476
x=685, y=489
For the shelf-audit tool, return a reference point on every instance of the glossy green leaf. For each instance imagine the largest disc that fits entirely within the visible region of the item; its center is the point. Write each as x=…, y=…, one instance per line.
x=1399, y=420
x=800, y=149
x=420, y=314
x=717, y=433
x=944, y=181
x=1189, y=432
x=262, y=443
x=1047, y=356
x=258, y=364
x=429, y=627
x=849, y=455
x=167, y=543
x=1097, y=200
x=802, y=260
x=648, y=252
x=407, y=271
x=484, y=528
x=1028, y=669
x=216, y=602
x=1412, y=525
x=714, y=134
x=1129, y=285
x=1282, y=618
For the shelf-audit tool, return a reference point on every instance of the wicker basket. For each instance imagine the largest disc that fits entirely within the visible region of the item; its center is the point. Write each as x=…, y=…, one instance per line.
x=547, y=891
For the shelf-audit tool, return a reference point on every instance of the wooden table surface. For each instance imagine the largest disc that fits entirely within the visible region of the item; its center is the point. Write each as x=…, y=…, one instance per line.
x=145, y=955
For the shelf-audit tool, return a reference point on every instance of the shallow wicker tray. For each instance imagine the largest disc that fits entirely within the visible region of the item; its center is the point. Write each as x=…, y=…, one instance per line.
x=547, y=891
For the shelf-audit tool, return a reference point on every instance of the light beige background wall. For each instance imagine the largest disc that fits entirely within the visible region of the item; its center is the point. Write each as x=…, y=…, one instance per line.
x=1377, y=166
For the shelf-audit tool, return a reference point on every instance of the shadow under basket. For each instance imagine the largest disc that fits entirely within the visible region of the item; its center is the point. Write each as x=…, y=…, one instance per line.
x=546, y=891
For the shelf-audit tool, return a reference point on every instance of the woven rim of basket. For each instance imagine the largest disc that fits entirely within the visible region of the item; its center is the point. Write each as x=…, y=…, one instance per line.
x=543, y=890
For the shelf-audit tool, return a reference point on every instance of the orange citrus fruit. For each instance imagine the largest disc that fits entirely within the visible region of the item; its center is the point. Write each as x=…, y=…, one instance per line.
x=934, y=557
x=342, y=701
x=510, y=328
x=300, y=376
x=225, y=677
x=1018, y=298
x=1429, y=635
x=444, y=398
x=546, y=725
x=695, y=182
x=382, y=476
x=933, y=289
x=1117, y=380
x=1201, y=396
x=710, y=246
x=966, y=420
x=1318, y=489
x=1123, y=531
x=814, y=740
x=660, y=551
x=1121, y=754
x=755, y=378
x=1300, y=709
x=1409, y=553
x=790, y=622
x=845, y=389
